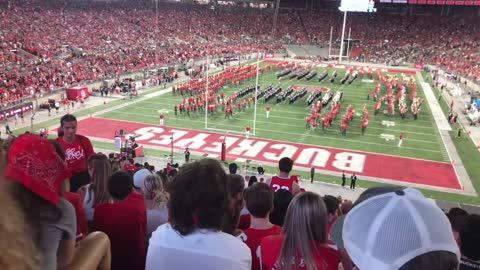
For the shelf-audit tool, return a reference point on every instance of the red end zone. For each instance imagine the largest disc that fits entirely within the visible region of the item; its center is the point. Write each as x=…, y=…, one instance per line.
x=408, y=170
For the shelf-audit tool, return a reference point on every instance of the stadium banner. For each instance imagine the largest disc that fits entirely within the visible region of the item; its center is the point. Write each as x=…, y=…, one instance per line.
x=12, y=111
x=269, y=55
x=419, y=66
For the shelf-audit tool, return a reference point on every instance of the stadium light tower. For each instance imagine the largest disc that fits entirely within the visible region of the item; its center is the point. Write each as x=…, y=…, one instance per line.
x=353, y=6
x=275, y=18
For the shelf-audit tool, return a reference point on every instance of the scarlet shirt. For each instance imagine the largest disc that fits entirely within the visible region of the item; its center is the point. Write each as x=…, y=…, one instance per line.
x=253, y=238
x=125, y=223
x=77, y=152
x=82, y=227
x=282, y=183
x=327, y=256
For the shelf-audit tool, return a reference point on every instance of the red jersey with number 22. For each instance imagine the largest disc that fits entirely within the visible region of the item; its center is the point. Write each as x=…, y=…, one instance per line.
x=283, y=183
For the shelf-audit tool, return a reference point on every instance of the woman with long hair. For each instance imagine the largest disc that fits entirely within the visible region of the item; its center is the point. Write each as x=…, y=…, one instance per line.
x=155, y=202
x=37, y=174
x=303, y=243
x=96, y=192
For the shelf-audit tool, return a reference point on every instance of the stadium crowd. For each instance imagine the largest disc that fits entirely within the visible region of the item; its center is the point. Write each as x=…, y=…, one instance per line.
x=63, y=206
x=45, y=46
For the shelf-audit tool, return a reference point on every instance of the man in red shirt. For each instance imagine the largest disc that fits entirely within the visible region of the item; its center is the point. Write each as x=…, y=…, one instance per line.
x=125, y=223
x=77, y=149
x=400, y=140
x=284, y=180
x=259, y=202
x=333, y=209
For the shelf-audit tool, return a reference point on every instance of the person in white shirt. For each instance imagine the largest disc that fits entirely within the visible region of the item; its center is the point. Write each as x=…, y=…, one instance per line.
x=193, y=239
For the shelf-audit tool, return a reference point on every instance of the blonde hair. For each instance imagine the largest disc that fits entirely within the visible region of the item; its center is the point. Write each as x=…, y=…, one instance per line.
x=102, y=171
x=115, y=164
x=154, y=190
x=305, y=222
x=17, y=244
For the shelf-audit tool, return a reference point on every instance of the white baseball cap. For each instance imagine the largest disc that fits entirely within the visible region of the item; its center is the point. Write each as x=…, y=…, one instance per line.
x=139, y=178
x=385, y=231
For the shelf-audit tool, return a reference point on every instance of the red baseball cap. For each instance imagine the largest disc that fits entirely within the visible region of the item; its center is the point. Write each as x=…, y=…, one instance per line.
x=34, y=162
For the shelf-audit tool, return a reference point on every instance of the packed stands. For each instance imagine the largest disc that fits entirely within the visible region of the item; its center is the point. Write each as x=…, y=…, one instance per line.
x=41, y=51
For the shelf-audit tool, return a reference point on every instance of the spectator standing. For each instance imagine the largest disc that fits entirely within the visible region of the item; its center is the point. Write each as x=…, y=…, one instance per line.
x=284, y=180
x=197, y=206
x=77, y=149
x=259, y=201
x=125, y=223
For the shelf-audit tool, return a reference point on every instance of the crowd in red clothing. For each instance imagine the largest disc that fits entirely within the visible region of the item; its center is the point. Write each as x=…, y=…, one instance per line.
x=45, y=47
x=127, y=216
x=448, y=41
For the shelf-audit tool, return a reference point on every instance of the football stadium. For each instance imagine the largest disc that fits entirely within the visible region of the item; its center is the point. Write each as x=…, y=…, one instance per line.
x=198, y=134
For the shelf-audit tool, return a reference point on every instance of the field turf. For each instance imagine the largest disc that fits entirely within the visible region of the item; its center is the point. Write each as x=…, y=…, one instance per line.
x=287, y=122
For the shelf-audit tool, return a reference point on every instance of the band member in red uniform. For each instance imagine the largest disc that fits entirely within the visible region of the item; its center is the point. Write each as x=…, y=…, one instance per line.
x=77, y=149
x=268, y=111
x=284, y=180
x=308, y=120
x=227, y=112
x=162, y=119
x=364, y=125
x=400, y=140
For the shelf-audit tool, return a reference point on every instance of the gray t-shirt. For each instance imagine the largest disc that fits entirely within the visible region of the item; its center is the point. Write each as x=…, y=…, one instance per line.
x=53, y=233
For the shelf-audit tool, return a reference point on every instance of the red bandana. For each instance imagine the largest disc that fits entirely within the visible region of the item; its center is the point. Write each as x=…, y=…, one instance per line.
x=34, y=162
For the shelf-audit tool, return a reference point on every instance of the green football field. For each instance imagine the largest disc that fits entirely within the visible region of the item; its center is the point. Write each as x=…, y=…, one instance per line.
x=421, y=136
x=287, y=122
